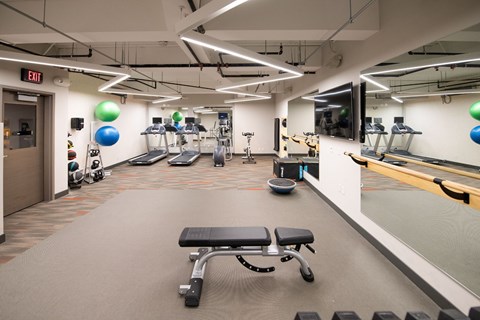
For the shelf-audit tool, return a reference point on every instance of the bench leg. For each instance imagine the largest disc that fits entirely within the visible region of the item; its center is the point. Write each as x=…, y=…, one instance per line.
x=305, y=270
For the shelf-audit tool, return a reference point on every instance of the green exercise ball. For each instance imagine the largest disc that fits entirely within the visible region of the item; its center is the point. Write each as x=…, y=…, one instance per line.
x=107, y=111
x=475, y=110
x=177, y=116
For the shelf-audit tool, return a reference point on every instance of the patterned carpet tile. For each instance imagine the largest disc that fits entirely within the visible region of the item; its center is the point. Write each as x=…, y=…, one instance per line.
x=26, y=228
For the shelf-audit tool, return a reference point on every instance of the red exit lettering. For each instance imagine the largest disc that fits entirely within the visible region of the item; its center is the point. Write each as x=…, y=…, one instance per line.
x=34, y=76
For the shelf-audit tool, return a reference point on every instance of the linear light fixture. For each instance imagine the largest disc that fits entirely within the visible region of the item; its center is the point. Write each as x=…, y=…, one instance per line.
x=206, y=13
x=231, y=49
x=312, y=98
x=110, y=83
x=59, y=63
x=120, y=74
x=375, y=83
x=430, y=63
x=435, y=93
x=246, y=99
x=397, y=99
x=162, y=97
x=246, y=83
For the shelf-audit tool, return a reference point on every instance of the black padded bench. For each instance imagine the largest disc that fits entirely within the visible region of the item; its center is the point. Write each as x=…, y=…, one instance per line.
x=239, y=242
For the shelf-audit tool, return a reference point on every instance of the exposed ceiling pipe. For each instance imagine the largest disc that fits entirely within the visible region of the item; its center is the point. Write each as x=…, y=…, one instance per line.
x=412, y=53
x=226, y=65
x=46, y=25
x=193, y=54
x=89, y=55
x=200, y=28
x=349, y=21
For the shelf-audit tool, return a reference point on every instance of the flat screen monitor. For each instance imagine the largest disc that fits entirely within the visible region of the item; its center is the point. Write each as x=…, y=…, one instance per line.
x=223, y=116
x=334, y=112
x=189, y=120
x=168, y=121
x=157, y=120
x=397, y=119
x=377, y=120
x=368, y=119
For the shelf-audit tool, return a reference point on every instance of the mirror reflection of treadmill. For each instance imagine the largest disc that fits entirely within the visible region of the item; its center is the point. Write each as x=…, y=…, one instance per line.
x=188, y=156
x=154, y=152
x=400, y=128
x=377, y=129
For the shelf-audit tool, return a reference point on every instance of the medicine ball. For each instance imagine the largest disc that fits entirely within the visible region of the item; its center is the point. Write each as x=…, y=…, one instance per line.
x=70, y=144
x=75, y=177
x=73, y=166
x=95, y=164
x=71, y=154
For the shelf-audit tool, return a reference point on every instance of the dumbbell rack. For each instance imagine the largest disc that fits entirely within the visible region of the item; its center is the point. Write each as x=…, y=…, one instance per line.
x=94, y=173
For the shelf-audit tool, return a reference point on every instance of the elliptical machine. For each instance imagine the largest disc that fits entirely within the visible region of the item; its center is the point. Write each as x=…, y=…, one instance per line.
x=248, y=150
x=222, y=151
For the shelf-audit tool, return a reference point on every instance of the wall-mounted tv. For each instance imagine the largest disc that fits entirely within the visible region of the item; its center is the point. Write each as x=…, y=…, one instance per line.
x=334, y=112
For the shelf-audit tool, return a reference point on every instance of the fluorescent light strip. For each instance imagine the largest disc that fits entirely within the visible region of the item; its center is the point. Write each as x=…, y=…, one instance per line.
x=258, y=95
x=332, y=93
x=246, y=99
x=437, y=93
x=397, y=99
x=312, y=98
x=166, y=99
x=60, y=63
x=225, y=47
x=436, y=62
x=163, y=97
x=206, y=13
x=246, y=83
x=375, y=83
x=112, y=82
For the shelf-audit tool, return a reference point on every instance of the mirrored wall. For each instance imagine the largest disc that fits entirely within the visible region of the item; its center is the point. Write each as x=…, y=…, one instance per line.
x=420, y=118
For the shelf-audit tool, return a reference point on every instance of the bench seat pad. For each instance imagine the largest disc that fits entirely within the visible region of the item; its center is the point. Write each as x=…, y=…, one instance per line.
x=224, y=236
x=291, y=236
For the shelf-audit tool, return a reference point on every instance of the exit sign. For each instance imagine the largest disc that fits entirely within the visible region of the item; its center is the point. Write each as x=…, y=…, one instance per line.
x=31, y=76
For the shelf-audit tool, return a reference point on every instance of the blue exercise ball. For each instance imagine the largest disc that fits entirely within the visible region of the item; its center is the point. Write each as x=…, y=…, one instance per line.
x=475, y=134
x=107, y=136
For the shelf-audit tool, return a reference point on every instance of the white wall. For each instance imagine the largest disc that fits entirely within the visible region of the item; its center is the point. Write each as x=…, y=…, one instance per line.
x=405, y=25
x=83, y=99
x=256, y=116
x=445, y=128
x=301, y=114
x=10, y=78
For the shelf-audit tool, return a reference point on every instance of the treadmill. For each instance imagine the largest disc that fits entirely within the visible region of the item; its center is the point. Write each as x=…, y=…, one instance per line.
x=154, y=153
x=378, y=130
x=187, y=157
x=399, y=128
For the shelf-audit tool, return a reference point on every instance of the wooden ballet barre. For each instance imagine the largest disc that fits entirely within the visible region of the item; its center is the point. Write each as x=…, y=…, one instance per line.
x=429, y=165
x=461, y=193
x=311, y=142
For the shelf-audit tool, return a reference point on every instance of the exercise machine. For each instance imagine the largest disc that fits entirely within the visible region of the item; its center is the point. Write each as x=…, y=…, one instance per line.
x=378, y=130
x=222, y=151
x=248, y=150
x=239, y=242
x=399, y=128
x=154, y=152
x=186, y=156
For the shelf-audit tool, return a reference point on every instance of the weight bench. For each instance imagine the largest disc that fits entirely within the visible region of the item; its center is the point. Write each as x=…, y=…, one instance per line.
x=239, y=242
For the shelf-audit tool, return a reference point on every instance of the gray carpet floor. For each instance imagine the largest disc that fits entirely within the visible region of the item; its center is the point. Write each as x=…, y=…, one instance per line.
x=122, y=261
x=423, y=218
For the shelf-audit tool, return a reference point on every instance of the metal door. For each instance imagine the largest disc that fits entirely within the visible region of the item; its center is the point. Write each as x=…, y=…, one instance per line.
x=23, y=174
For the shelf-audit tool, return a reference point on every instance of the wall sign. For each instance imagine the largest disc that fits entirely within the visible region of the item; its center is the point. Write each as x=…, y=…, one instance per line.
x=28, y=75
